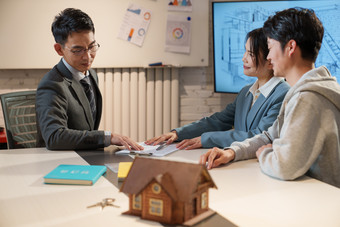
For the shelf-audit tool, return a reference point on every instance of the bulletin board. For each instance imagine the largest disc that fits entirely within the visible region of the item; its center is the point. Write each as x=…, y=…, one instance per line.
x=27, y=41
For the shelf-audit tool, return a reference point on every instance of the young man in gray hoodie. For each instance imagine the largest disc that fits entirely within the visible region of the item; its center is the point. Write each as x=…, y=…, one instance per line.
x=305, y=137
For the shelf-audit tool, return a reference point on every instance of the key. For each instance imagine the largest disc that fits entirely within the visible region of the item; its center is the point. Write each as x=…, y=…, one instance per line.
x=96, y=205
x=105, y=202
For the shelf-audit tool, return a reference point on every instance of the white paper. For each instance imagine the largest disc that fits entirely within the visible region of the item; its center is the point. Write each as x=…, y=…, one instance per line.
x=178, y=34
x=152, y=149
x=135, y=24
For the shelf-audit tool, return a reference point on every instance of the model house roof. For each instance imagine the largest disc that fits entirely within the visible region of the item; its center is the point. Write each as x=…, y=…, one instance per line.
x=179, y=179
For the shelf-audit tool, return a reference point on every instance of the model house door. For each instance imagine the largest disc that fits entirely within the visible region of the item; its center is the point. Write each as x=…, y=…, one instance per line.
x=194, y=207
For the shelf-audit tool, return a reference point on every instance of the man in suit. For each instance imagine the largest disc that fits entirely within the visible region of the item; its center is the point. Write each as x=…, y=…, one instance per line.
x=68, y=101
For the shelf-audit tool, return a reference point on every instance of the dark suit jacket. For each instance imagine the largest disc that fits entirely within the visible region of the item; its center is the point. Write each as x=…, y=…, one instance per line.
x=63, y=112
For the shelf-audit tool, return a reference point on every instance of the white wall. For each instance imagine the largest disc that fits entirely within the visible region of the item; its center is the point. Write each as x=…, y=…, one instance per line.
x=26, y=32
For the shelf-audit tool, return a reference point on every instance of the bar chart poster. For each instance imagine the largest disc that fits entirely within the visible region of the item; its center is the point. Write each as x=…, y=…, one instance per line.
x=135, y=24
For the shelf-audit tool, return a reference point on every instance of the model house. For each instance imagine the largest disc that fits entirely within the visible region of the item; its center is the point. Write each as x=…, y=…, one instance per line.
x=167, y=191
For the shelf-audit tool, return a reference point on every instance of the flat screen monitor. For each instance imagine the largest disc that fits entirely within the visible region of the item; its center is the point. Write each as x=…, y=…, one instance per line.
x=232, y=20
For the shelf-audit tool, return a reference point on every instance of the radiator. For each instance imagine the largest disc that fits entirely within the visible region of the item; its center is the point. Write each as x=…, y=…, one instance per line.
x=139, y=102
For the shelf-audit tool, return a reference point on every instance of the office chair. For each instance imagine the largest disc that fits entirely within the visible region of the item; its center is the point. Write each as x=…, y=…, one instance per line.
x=20, y=122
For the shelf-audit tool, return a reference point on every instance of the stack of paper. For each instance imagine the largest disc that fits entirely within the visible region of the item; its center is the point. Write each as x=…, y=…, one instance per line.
x=151, y=150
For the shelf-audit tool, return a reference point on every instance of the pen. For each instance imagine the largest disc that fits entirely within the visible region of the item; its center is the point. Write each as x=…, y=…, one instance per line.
x=156, y=64
x=267, y=134
x=161, y=146
x=140, y=153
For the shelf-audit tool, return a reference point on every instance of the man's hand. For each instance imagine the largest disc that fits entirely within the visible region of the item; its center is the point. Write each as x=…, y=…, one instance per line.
x=125, y=141
x=260, y=150
x=189, y=144
x=216, y=157
x=170, y=137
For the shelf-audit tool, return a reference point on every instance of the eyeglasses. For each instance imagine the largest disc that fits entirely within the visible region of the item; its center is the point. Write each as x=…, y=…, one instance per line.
x=81, y=51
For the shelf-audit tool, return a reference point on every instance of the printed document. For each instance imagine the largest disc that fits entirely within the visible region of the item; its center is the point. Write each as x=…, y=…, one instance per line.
x=150, y=149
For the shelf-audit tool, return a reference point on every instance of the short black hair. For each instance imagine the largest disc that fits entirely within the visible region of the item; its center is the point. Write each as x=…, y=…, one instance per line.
x=258, y=45
x=68, y=21
x=299, y=24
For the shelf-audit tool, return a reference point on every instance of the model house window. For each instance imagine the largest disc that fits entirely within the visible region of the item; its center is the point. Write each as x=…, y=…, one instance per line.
x=137, y=202
x=204, y=200
x=156, y=188
x=156, y=207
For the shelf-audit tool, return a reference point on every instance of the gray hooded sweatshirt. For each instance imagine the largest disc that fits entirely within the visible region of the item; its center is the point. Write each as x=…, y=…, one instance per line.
x=305, y=137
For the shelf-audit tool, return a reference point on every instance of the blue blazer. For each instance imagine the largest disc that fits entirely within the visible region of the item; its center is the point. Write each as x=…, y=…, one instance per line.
x=238, y=121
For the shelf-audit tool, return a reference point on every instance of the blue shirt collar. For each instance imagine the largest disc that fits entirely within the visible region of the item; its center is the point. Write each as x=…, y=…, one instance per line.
x=77, y=75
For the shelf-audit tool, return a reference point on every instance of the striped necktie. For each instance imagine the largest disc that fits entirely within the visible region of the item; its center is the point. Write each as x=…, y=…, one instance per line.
x=90, y=95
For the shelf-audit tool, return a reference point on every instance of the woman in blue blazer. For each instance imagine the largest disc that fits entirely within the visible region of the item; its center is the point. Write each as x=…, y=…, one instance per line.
x=253, y=111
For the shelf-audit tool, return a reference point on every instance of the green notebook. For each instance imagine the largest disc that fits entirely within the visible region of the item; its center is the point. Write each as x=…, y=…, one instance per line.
x=75, y=174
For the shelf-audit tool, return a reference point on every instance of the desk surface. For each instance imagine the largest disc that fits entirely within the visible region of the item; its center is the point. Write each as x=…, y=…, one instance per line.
x=245, y=196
